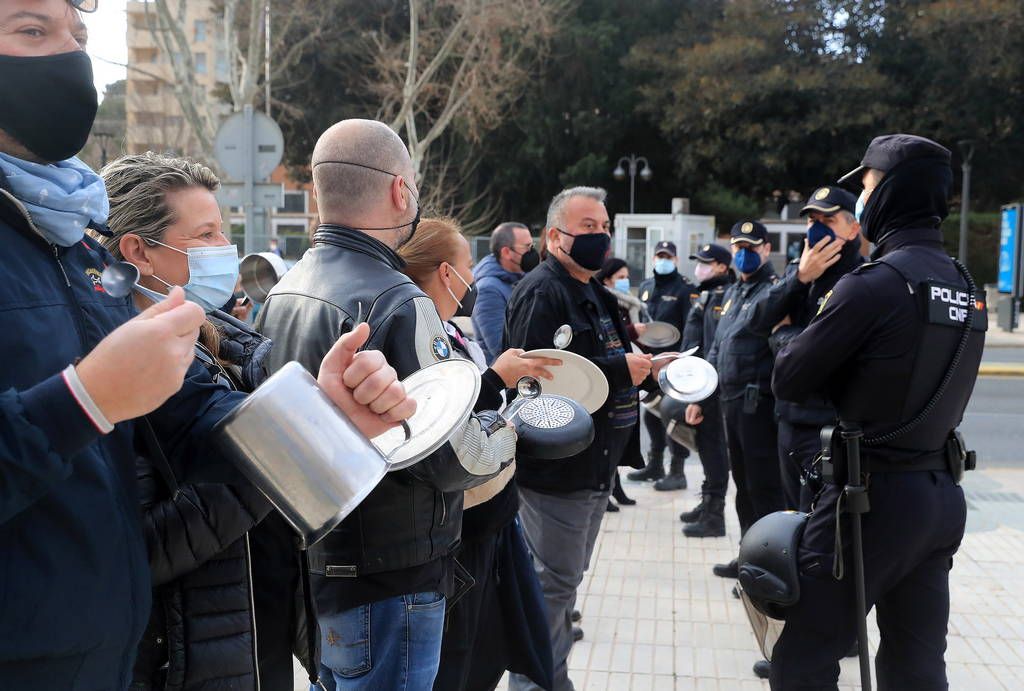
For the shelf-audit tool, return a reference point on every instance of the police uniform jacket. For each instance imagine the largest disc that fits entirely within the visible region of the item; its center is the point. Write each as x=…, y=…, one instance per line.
x=881, y=343
x=800, y=302
x=702, y=321
x=414, y=515
x=740, y=350
x=668, y=298
x=544, y=300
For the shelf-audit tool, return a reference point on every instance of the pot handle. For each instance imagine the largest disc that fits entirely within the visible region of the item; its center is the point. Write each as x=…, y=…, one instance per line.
x=408, y=437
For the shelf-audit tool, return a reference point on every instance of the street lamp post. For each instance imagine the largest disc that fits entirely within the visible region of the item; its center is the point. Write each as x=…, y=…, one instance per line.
x=966, y=154
x=635, y=164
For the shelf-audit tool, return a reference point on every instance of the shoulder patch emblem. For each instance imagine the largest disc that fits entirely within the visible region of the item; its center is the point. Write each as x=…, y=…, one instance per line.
x=823, y=302
x=725, y=307
x=646, y=296
x=97, y=279
x=442, y=351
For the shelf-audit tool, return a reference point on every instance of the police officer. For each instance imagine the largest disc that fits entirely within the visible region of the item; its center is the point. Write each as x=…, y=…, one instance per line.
x=881, y=345
x=714, y=277
x=741, y=355
x=668, y=297
x=830, y=250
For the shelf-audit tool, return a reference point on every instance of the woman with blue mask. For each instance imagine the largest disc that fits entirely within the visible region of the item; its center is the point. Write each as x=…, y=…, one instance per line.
x=165, y=220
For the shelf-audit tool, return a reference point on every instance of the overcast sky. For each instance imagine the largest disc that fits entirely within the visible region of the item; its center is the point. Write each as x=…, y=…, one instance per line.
x=107, y=42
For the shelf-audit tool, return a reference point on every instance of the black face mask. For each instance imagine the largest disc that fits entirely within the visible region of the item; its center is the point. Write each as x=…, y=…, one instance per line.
x=51, y=103
x=529, y=260
x=590, y=250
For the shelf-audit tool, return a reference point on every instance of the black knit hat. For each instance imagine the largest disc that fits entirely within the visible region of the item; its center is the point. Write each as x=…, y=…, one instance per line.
x=610, y=266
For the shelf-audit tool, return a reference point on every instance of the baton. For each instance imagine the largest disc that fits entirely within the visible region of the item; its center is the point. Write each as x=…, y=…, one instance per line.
x=856, y=504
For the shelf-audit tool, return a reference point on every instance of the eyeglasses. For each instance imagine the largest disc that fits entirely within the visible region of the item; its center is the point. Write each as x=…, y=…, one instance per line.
x=84, y=5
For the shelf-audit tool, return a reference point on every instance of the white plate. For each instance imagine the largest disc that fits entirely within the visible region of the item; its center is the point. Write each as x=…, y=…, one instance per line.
x=688, y=379
x=577, y=378
x=445, y=394
x=659, y=335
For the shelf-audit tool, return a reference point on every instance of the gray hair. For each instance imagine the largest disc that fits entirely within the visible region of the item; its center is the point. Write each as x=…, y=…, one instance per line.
x=504, y=236
x=847, y=216
x=557, y=206
x=138, y=186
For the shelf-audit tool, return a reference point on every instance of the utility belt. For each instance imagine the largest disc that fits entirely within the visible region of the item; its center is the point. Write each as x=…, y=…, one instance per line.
x=954, y=457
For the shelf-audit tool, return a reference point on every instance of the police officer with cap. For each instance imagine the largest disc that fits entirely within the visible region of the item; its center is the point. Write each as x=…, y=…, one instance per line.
x=831, y=250
x=714, y=277
x=743, y=359
x=668, y=297
x=896, y=346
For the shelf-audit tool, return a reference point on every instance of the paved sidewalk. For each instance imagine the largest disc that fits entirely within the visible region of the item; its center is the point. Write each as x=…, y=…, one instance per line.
x=656, y=618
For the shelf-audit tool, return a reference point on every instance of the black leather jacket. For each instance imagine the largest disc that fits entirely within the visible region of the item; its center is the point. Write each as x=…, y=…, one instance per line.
x=740, y=350
x=702, y=321
x=414, y=516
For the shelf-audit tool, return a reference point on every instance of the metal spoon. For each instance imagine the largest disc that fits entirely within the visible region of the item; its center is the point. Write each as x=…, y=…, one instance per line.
x=121, y=278
x=674, y=356
x=563, y=336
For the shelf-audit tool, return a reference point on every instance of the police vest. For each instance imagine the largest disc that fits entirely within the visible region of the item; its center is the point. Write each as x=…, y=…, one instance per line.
x=940, y=309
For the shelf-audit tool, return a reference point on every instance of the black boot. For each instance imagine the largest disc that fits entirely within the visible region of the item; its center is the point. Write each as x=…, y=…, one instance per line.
x=762, y=669
x=654, y=470
x=611, y=508
x=620, y=494
x=712, y=520
x=675, y=478
x=693, y=515
x=730, y=570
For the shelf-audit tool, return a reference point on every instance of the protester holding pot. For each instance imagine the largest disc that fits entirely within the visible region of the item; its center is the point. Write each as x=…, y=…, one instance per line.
x=498, y=624
x=381, y=577
x=79, y=367
x=196, y=533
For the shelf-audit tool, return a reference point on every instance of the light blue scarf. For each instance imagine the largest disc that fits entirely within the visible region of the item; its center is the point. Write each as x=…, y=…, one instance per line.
x=62, y=198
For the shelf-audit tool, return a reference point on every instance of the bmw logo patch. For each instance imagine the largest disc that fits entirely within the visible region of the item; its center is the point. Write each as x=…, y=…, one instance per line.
x=442, y=351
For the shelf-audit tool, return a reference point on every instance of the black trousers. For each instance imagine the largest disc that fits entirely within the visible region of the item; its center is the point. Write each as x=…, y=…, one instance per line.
x=798, y=446
x=711, y=447
x=660, y=439
x=752, y=440
x=913, y=529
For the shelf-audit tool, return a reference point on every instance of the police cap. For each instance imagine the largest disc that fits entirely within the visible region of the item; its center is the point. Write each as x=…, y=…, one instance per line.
x=712, y=253
x=665, y=247
x=748, y=231
x=888, y=151
x=829, y=200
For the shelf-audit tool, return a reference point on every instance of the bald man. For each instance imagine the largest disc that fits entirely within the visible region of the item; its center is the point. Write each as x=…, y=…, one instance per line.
x=395, y=550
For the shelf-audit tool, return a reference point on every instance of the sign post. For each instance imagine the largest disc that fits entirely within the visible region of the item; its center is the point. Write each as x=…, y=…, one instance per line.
x=1011, y=264
x=249, y=146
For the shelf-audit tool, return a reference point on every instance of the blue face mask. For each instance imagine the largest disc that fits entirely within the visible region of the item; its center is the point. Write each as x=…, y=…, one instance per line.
x=859, y=209
x=818, y=230
x=622, y=285
x=663, y=265
x=212, y=275
x=746, y=260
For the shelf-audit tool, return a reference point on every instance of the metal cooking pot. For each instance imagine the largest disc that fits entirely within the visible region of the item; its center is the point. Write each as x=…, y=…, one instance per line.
x=307, y=457
x=260, y=272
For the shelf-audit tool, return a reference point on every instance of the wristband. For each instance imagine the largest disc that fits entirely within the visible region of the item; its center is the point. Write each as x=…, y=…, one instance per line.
x=85, y=402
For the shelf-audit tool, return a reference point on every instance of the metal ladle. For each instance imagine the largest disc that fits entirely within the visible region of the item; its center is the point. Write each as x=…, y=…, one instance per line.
x=121, y=278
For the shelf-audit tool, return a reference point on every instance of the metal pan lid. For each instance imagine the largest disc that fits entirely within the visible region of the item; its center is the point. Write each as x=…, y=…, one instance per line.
x=659, y=335
x=577, y=378
x=688, y=379
x=445, y=394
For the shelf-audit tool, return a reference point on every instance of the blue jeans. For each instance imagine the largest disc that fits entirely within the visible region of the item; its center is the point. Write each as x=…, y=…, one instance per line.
x=389, y=645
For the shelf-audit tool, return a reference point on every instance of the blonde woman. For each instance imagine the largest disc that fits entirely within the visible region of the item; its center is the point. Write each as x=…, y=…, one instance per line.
x=499, y=623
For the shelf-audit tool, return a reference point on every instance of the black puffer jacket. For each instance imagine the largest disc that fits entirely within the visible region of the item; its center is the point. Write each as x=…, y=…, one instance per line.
x=201, y=634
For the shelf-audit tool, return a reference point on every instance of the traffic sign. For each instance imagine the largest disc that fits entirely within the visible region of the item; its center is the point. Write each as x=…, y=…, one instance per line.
x=249, y=132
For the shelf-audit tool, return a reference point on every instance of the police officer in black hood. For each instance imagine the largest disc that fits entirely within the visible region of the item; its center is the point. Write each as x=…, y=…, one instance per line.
x=668, y=297
x=831, y=249
x=895, y=347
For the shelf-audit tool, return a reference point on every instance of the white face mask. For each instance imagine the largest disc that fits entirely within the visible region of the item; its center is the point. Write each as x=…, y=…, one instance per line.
x=703, y=272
